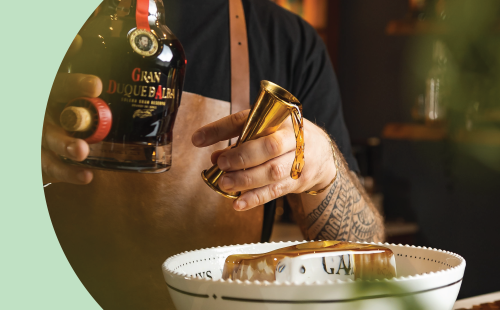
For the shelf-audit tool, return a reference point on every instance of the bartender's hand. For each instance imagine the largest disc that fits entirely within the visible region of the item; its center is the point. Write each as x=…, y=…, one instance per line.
x=55, y=141
x=267, y=161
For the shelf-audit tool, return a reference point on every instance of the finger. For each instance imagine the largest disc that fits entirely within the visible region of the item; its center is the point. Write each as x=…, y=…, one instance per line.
x=68, y=86
x=215, y=155
x=55, y=170
x=226, y=128
x=260, y=196
x=55, y=139
x=273, y=171
x=256, y=152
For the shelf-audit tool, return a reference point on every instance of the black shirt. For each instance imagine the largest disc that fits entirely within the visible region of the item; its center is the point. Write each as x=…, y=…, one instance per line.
x=283, y=49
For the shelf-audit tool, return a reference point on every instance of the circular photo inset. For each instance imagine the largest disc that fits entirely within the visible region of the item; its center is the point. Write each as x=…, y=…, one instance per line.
x=143, y=42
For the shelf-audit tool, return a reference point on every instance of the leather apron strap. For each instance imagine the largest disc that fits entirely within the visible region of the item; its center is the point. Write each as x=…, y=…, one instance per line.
x=240, y=64
x=240, y=86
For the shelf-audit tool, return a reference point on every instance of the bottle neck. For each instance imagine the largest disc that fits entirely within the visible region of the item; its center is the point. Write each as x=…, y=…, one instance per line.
x=124, y=9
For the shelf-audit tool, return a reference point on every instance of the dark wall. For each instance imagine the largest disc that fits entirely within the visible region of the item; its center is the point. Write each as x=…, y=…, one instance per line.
x=450, y=194
x=371, y=66
x=454, y=199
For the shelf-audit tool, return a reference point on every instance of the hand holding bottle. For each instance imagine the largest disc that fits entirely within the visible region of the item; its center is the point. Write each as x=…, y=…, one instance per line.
x=136, y=66
x=55, y=141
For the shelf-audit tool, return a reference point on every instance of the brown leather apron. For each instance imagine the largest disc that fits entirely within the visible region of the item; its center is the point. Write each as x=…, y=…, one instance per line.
x=117, y=231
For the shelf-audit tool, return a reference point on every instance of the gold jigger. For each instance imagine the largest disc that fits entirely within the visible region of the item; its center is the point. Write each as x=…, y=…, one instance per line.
x=270, y=110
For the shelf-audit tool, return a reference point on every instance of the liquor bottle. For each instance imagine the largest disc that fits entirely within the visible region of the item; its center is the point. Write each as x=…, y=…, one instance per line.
x=141, y=65
x=437, y=90
x=421, y=9
x=417, y=9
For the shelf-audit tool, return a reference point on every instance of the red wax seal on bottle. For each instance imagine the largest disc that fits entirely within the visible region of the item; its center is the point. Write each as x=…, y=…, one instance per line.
x=89, y=119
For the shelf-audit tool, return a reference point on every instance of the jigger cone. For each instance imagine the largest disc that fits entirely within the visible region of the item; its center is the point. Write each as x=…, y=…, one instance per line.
x=270, y=110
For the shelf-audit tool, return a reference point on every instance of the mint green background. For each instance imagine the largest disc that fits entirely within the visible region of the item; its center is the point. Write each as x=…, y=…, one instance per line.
x=34, y=273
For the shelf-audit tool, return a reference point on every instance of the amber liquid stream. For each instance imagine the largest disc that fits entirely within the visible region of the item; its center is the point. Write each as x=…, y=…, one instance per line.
x=298, y=128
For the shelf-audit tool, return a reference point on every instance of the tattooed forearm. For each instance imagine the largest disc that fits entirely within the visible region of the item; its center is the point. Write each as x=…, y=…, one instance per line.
x=344, y=214
x=365, y=226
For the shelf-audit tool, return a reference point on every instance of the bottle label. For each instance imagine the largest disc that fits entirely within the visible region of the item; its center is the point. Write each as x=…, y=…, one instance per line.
x=146, y=92
x=141, y=101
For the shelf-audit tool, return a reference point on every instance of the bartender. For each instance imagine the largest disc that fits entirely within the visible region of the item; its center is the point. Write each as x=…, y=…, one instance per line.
x=116, y=229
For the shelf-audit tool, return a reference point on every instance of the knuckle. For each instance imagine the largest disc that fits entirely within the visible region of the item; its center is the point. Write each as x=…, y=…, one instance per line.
x=247, y=180
x=48, y=131
x=276, y=190
x=273, y=145
x=216, y=130
x=55, y=141
x=241, y=159
x=277, y=171
x=259, y=198
x=308, y=181
x=48, y=168
x=45, y=167
x=60, y=147
x=256, y=198
x=237, y=118
x=308, y=178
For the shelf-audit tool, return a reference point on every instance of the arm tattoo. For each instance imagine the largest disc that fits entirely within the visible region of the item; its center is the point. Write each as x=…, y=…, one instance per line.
x=344, y=215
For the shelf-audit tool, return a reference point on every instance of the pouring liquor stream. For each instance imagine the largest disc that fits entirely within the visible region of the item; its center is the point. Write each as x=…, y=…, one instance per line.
x=271, y=109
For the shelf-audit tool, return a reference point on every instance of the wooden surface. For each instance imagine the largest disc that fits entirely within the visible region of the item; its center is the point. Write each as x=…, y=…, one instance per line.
x=414, y=27
x=415, y=132
x=468, y=303
x=421, y=132
x=393, y=228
